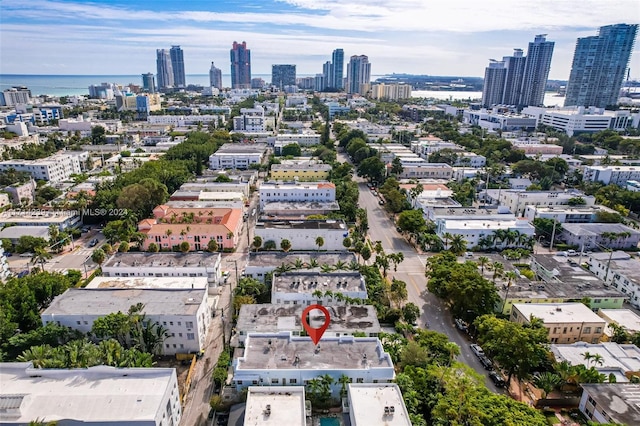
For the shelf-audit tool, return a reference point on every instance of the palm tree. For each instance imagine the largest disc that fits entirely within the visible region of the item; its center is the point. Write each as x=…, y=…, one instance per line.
x=483, y=261
x=325, y=267
x=458, y=244
x=285, y=245
x=344, y=380
x=298, y=263
x=498, y=270
x=340, y=265
x=445, y=239
x=318, y=294
x=40, y=255
x=257, y=242
x=511, y=276
x=313, y=263
x=319, y=242
x=547, y=382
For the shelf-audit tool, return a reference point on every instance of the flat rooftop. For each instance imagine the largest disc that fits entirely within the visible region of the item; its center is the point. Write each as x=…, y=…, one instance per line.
x=623, y=317
x=596, y=229
x=370, y=400
x=621, y=401
x=285, y=406
x=301, y=224
x=310, y=281
x=615, y=357
x=451, y=223
x=278, y=258
x=551, y=313
x=303, y=166
x=622, y=263
x=241, y=148
x=300, y=206
x=148, y=282
x=95, y=395
x=103, y=301
x=272, y=185
x=37, y=216
x=278, y=317
x=161, y=260
x=281, y=351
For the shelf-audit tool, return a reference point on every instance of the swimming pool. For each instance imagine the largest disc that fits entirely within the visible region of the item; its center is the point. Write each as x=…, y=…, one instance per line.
x=330, y=421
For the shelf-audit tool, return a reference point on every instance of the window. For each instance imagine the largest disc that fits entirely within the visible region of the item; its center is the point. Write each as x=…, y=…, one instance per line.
x=170, y=322
x=598, y=329
x=274, y=381
x=359, y=380
x=189, y=324
x=293, y=381
x=239, y=382
x=191, y=336
x=587, y=330
x=78, y=322
x=179, y=323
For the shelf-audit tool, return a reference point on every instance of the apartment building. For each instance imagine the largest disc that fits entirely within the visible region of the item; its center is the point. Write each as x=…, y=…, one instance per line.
x=424, y=170
x=598, y=401
x=566, y=322
x=517, y=200
x=376, y=404
x=618, y=270
x=618, y=175
x=305, y=138
x=566, y=213
x=617, y=359
x=308, y=172
x=56, y=168
x=303, y=287
x=237, y=156
x=595, y=236
x=277, y=405
x=574, y=120
x=296, y=192
x=184, y=313
x=250, y=120
x=302, y=234
x=259, y=264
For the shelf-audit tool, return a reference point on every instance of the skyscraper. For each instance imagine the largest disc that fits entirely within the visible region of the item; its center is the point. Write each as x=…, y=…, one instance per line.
x=327, y=71
x=283, y=75
x=358, y=73
x=338, y=68
x=493, y=89
x=514, y=66
x=177, y=63
x=240, y=66
x=165, y=70
x=599, y=65
x=215, y=77
x=536, y=71
x=149, y=82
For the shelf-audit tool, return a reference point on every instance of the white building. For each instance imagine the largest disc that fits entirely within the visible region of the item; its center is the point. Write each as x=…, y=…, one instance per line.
x=16, y=96
x=56, y=168
x=184, y=265
x=271, y=192
x=63, y=219
x=276, y=406
x=259, y=264
x=565, y=322
x=633, y=185
x=184, y=313
x=589, y=236
x=566, y=213
x=250, y=120
x=306, y=138
x=298, y=287
x=618, y=175
x=424, y=170
x=376, y=404
x=242, y=187
x=518, y=200
x=619, y=270
x=279, y=359
x=474, y=229
x=90, y=396
x=625, y=318
x=237, y=156
x=617, y=359
x=302, y=234
x=573, y=120
x=495, y=120
x=611, y=403
x=345, y=320
x=186, y=120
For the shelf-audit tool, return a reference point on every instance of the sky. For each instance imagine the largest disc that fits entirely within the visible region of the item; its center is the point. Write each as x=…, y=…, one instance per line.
x=434, y=37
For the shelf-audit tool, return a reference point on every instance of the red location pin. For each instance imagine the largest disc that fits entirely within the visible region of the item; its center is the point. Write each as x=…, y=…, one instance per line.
x=316, y=333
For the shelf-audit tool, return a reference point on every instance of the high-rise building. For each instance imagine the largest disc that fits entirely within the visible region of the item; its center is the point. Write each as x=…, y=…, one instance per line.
x=283, y=75
x=16, y=95
x=358, y=73
x=599, y=66
x=257, y=83
x=215, y=77
x=165, y=70
x=240, y=66
x=338, y=68
x=320, y=82
x=536, y=71
x=514, y=66
x=149, y=82
x=327, y=72
x=493, y=89
x=177, y=63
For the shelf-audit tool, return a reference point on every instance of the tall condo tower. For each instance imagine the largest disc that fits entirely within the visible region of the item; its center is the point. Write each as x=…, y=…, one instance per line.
x=336, y=80
x=177, y=63
x=165, y=70
x=327, y=72
x=536, y=71
x=599, y=66
x=240, y=66
x=283, y=75
x=358, y=73
x=494, y=76
x=215, y=77
x=514, y=66
x=149, y=82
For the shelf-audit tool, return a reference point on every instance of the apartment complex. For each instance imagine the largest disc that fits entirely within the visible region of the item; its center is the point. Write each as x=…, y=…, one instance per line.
x=237, y=156
x=240, y=66
x=297, y=192
x=358, y=74
x=304, y=234
x=305, y=287
x=307, y=172
x=56, y=168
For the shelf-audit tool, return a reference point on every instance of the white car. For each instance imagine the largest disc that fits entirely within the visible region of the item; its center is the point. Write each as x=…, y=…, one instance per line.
x=477, y=350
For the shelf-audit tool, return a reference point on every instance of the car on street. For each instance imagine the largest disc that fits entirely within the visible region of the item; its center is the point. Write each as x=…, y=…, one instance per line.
x=486, y=362
x=497, y=379
x=85, y=229
x=461, y=325
x=381, y=202
x=93, y=242
x=477, y=350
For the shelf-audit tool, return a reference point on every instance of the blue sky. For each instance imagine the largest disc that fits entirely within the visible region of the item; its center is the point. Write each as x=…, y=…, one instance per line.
x=436, y=37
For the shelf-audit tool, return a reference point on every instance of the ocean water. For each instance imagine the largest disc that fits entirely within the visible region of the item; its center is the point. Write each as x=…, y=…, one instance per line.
x=67, y=85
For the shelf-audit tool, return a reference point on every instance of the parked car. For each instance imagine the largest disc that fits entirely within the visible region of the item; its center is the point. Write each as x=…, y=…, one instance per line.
x=486, y=362
x=93, y=242
x=461, y=325
x=477, y=350
x=497, y=379
x=85, y=229
x=572, y=253
x=381, y=202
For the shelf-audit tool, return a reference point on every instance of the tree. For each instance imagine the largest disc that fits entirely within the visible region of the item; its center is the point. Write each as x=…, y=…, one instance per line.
x=123, y=247
x=98, y=135
x=411, y=221
x=458, y=245
x=185, y=246
x=212, y=246
x=257, y=242
x=319, y=242
x=372, y=168
x=98, y=256
x=285, y=245
x=270, y=245
x=410, y=313
x=396, y=167
x=518, y=348
x=483, y=261
x=544, y=227
x=547, y=382
x=29, y=244
x=398, y=291
x=153, y=248
x=40, y=255
x=446, y=237
x=142, y=197
x=292, y=149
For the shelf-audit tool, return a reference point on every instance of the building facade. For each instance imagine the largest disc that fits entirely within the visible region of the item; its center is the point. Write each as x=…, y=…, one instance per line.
x=237, y=156
x=215, y=77
x=493, y=89
x=536, y=71
x=296, y=192
x=358, y=74
x=619, y=270
x=240, y=66
x=336, y=79
x=618, y=175
x=149, y=82
x=300, y=172
x=57, y=168
x=599, y=66
x=302, y=234
x=164, y=69
x=283, y=75
x=177, y=65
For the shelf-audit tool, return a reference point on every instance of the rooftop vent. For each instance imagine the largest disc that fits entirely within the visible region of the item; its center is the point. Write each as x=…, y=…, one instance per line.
x=267, y=410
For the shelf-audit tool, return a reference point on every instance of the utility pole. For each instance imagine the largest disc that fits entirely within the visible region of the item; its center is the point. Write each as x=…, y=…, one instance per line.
x=553, y=234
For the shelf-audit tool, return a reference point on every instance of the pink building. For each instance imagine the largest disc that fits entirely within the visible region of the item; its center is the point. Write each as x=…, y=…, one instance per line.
x=171, y=226
x=538, y=148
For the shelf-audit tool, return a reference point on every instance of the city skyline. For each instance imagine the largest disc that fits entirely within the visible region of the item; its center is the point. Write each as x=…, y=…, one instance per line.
x=447, y=38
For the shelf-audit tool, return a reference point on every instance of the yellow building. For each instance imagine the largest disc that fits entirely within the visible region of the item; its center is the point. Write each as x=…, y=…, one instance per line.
x=306, y=172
